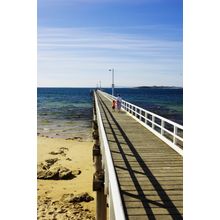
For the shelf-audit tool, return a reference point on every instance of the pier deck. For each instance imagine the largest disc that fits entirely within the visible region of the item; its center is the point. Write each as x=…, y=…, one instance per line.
x=149, y=172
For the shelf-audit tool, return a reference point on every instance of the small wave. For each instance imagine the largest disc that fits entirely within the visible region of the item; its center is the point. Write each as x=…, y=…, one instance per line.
x=46, y=129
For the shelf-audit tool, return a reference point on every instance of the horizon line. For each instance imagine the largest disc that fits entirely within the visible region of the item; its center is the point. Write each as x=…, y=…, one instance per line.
x=104, y=87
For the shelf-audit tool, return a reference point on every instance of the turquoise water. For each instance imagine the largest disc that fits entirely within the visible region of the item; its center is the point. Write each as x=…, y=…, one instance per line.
x=67, y=112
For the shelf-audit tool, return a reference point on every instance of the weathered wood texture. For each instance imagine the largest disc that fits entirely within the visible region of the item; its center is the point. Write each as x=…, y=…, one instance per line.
x=149, y=172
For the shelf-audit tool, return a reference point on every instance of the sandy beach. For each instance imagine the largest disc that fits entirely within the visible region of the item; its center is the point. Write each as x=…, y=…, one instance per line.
x=65, y=172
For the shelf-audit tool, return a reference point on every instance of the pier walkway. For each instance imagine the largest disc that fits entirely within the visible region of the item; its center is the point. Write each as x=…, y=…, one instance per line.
x=148, y=171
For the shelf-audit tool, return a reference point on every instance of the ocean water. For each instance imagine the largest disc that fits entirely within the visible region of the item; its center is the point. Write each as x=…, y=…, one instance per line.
x=67, y=112
x=64, y=112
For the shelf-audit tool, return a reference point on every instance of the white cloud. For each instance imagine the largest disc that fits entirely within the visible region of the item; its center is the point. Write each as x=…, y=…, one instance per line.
x=71, y=2
x=73, y=39
x=62, y=52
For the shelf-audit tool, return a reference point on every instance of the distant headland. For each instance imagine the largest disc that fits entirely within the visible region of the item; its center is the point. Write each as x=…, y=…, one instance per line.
x=158, y=87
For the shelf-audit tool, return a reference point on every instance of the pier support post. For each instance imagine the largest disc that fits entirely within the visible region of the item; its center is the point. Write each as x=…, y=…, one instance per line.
x=98, y=177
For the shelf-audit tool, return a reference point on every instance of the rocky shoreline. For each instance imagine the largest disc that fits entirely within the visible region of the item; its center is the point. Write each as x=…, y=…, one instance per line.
x=64, y=173
x=75, y=138
x=49, y=209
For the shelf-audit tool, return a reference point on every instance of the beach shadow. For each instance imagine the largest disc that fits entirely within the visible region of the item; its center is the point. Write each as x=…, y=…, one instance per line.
x=141, y=196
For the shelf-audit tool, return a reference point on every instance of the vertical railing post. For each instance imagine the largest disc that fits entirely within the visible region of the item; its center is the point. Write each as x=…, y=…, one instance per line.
x=145, y=117
x=153, y=121
x=174, y=136
x=162, y=127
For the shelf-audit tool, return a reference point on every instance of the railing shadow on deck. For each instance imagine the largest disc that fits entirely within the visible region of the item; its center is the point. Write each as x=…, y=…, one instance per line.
x=167, y=202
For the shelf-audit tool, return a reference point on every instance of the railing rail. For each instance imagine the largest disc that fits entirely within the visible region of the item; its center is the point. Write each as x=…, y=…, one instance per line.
x=167, y=130
x=116, y=210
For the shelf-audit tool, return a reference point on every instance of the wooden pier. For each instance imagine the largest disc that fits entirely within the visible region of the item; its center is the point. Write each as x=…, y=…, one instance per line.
x=149, y=172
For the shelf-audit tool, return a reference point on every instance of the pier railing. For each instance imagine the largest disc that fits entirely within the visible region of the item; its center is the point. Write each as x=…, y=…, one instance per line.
x=116, y=211
x=167, y=130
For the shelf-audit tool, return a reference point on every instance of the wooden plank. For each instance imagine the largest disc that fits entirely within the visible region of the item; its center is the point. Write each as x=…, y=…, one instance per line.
x=157, y=217
x=152, y=204
x=154, y=192
x=146, y=160
x=141, y=155
x=155, y=171
x=136, y=197
x=156, y=174
x=139, y=163
x=145, y=188
x=162, y=169
x=140, y=170
x=156, y=211
x=152, y=182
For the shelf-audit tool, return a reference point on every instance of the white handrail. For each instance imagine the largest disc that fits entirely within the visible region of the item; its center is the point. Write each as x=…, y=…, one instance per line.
x=135, y=112
x=113, y=188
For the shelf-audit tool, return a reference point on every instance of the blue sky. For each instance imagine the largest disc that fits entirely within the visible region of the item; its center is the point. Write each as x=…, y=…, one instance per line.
x=80, y=40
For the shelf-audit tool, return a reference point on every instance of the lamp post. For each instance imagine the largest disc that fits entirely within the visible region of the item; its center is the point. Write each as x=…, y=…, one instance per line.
x=113, y=85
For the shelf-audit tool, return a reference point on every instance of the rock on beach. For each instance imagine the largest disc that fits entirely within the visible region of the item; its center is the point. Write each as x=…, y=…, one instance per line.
x=47, y=170
x=83, y=197
x=57, y=173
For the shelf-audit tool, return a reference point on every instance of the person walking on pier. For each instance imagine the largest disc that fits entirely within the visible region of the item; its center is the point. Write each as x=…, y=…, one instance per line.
x=119, y=100
x=113, y=105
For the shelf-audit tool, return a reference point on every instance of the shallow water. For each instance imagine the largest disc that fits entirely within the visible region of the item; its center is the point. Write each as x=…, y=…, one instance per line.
x=64, y=112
